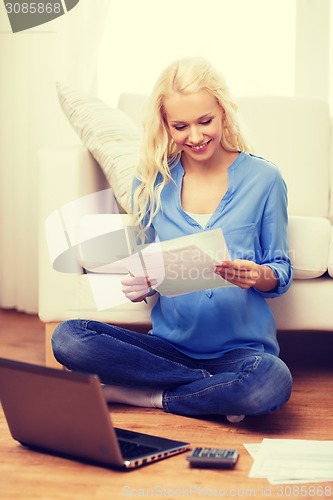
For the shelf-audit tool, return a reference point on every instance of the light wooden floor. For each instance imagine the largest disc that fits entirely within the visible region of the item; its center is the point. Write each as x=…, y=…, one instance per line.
x=309, y=414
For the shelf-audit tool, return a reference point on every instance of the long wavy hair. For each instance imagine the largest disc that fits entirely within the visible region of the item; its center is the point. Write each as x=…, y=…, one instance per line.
x=159, y=154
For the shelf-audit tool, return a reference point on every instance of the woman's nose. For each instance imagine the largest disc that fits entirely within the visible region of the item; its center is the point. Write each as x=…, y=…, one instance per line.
x=195, y=136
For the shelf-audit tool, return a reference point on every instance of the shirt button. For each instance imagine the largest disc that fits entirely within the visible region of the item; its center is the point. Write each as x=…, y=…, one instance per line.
x=209, y=293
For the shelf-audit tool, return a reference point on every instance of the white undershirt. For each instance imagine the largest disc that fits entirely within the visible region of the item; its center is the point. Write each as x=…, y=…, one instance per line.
x=201, y=219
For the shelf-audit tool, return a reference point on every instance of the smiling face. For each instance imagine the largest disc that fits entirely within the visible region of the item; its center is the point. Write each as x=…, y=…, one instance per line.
x=194, y=122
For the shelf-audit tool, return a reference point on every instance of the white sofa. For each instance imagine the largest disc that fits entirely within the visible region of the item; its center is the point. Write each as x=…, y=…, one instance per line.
x=294, y=133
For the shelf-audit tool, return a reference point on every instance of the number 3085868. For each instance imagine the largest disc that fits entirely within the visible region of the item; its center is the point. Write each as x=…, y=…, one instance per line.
x=33, y=8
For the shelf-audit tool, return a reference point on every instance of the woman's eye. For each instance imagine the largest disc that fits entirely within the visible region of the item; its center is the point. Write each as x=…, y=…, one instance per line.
x=179, y=128
x=207, y=122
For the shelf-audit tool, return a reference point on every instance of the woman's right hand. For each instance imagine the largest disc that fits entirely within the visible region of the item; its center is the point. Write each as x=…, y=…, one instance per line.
x=137, y=288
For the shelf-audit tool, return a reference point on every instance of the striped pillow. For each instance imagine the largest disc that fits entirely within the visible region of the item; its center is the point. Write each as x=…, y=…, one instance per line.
x=110, y=136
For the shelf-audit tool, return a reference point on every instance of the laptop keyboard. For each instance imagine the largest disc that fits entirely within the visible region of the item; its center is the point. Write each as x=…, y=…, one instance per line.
x=134, y=450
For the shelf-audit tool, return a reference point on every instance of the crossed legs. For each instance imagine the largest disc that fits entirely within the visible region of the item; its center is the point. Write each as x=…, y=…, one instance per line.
x=241, y=382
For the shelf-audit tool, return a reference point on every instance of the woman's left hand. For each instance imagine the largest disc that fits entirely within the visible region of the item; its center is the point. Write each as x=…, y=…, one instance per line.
x=246, y=274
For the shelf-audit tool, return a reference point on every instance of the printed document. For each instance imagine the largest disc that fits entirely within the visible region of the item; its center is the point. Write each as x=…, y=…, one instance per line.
x=182, y=265
x=292, y=460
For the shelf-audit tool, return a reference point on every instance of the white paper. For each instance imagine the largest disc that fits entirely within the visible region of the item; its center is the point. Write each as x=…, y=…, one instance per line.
x=182, y=265
x=292, y=460
x=253, y=449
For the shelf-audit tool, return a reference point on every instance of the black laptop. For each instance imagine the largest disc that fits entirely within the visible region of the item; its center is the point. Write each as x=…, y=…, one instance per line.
x=65, y=413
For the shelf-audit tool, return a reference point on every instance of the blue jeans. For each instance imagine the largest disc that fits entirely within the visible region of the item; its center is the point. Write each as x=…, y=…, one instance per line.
x=241, y=382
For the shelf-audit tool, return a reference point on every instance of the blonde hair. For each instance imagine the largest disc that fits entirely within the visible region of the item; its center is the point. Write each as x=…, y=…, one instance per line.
x=159, y=154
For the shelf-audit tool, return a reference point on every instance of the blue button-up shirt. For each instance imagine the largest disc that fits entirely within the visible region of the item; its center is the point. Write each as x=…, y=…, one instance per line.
x=253, y=218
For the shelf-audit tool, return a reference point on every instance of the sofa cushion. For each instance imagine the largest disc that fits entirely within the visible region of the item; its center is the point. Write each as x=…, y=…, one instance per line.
x=309, y=239
x=109, y=134
x=306, y=306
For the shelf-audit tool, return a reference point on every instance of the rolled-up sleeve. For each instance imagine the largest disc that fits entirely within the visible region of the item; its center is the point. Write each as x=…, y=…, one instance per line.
x=274, y=237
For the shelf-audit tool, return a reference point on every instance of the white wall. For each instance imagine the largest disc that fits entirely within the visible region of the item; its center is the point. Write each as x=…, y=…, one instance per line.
x=312, y=61
x=252, y=42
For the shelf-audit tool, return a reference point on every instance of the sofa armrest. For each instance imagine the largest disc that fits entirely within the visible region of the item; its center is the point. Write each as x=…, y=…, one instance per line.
x=65, y=174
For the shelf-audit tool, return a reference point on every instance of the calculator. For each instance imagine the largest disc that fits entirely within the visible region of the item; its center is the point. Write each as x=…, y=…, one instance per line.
x=213, y=457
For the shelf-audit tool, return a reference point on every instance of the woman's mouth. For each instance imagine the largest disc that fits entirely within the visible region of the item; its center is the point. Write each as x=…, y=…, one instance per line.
x=200, y=148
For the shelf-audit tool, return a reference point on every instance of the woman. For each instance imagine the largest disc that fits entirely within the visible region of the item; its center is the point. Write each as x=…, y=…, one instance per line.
x=214, y=351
